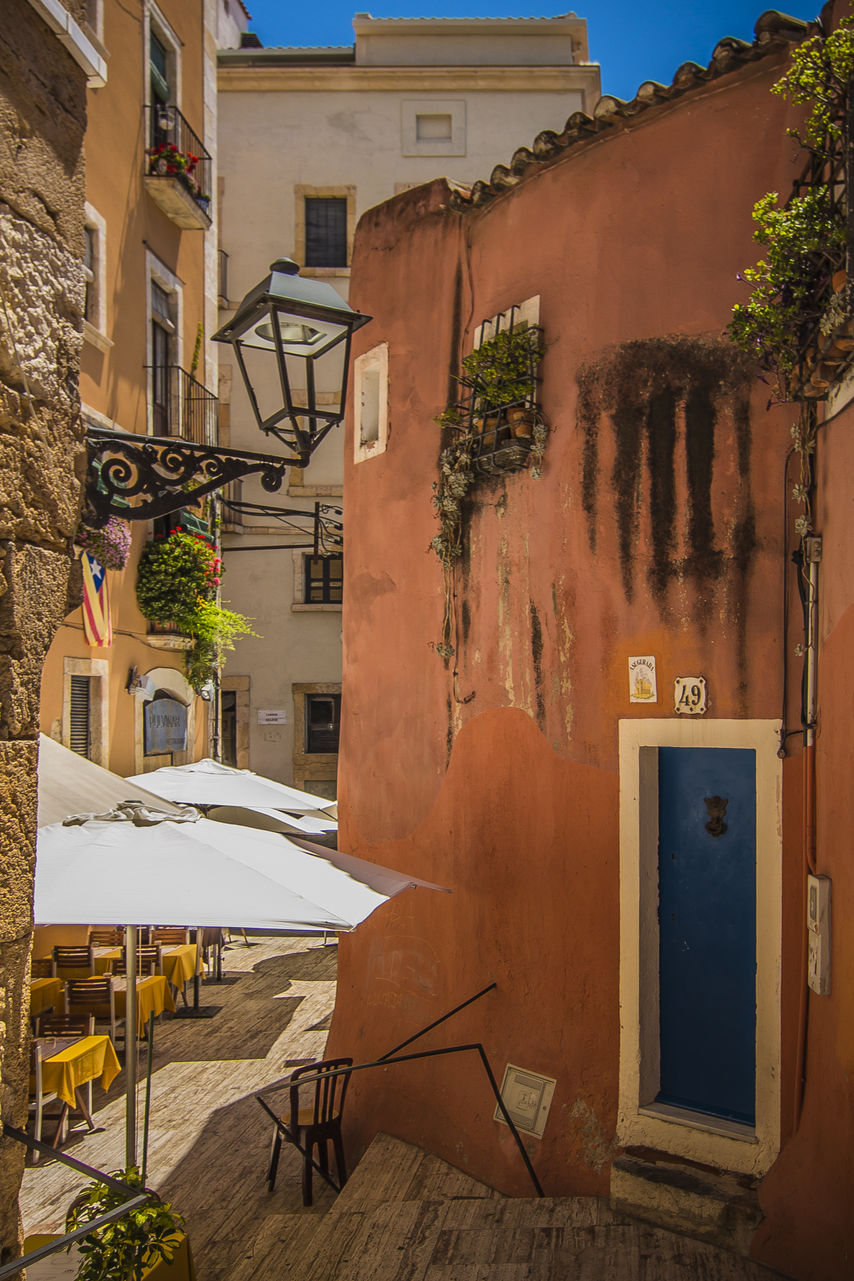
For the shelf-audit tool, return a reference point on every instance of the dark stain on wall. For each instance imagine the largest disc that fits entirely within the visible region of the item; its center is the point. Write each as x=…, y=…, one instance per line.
x=651, y=392
x=537, y=656
x=449, y=736
x=465, y=618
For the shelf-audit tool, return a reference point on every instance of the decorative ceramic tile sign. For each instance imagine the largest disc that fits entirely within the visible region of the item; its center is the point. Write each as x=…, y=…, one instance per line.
x=642, y=686
x=527, y=1097
x=689, y=695
x=272, y=716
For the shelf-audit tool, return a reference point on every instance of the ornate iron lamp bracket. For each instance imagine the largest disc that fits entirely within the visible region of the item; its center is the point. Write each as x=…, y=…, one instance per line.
x=141, y=477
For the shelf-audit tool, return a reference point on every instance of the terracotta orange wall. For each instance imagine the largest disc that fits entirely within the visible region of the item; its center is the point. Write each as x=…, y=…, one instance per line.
x=813, y=1181
x=497, y=775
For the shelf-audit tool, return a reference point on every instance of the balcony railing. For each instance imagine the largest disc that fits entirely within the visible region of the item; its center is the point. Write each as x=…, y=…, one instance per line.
x=177, y=167
x=181, y=406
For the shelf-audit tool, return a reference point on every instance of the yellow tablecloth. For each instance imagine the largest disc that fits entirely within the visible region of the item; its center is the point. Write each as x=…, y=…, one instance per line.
x=46, y=994
x=104, y=958
x=152, y=996
x=86, y=1060
x=179, y=963
x=57, y=1265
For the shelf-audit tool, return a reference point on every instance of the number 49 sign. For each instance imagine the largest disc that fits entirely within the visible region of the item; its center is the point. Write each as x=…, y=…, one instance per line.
x=690, y=695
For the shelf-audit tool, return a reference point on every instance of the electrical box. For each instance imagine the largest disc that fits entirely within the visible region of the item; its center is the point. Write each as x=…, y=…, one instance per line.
x=527, y=1097
x=818, y=934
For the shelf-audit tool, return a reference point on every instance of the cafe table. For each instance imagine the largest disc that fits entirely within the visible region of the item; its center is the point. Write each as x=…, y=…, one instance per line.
x=46, y=994
x=179, y=964
x=68, y=1064
x=153, y=996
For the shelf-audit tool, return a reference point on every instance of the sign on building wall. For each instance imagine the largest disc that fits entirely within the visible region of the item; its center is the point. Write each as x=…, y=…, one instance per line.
x=689, y=695
x=642, y=686
x=271, y=716
x=165, y=721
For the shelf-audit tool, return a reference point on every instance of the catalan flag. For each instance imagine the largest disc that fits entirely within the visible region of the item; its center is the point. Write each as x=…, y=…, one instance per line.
x=96, y=603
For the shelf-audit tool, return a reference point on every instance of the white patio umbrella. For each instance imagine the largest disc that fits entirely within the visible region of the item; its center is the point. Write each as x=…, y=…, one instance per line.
x=209, y=782
x=137, y=866
x=314, y=824
x=70, y=784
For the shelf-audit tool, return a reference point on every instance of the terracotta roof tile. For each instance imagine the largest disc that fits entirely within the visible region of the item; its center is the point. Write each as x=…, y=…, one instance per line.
x=773, y=31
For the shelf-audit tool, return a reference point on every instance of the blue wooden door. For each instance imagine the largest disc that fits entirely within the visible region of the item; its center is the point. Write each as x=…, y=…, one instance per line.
x=707, y=929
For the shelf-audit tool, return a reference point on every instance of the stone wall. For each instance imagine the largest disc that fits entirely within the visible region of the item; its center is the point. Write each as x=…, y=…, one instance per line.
x=42, y=464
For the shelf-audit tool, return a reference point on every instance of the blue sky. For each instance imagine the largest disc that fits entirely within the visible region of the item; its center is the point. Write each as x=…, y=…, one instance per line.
x=632, y=41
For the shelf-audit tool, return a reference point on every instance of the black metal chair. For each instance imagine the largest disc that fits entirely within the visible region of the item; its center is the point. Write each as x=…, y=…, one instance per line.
x=316, y=1104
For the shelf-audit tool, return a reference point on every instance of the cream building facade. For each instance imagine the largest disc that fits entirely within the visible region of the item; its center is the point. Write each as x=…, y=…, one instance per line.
x=308, y=140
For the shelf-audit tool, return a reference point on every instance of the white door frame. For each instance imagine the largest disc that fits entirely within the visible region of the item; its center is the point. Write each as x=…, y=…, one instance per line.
x=642, y=1121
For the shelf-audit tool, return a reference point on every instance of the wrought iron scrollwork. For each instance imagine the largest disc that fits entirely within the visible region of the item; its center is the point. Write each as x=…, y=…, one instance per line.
x=141, y=477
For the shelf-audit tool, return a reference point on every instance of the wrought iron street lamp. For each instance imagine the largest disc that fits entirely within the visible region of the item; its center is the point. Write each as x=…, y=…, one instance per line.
x=306, y=326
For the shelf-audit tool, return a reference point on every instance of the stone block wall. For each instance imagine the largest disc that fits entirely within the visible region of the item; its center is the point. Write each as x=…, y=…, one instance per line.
x=42, y=465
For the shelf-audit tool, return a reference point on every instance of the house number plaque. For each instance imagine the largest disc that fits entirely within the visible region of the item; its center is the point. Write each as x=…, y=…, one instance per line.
x=690, y=695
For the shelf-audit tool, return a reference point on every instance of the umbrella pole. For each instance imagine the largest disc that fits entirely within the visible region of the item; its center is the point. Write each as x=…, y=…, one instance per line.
x=147, y=1095
x=131, y=1048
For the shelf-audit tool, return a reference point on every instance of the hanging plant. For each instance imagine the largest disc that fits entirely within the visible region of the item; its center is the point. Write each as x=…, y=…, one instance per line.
x=173, y=574
x=177, y=582
x=502, y=370
x=110, y=544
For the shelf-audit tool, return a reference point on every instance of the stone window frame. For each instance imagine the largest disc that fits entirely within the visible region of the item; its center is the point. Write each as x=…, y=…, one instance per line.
x=98, y=672
x=345, y=191
x=412, y=145
x=95, y=324
x=371, y=364
x=311, y=766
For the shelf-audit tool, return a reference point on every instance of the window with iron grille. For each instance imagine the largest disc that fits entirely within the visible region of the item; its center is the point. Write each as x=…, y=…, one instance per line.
x=80, y=701
x=325, y=231
x=162, y=330
x=322, y=722
x=324, y=579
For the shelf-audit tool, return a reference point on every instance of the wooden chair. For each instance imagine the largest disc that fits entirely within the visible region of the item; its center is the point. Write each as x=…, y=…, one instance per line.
x=41, y=967
x=73, y=962
x=67, y=1025
x=316, y=1104
x=39, y=1097
x=169, y=935
x=113, y=937
x=149, y=960
x=93, y=996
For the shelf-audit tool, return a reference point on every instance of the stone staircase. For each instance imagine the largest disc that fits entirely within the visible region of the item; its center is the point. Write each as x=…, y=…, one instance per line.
x=405, y=1215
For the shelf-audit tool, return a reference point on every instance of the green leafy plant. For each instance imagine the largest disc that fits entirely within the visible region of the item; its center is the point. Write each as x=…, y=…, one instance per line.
x=805, y=241
x=502, y=370
x=818, y=77
x=790, y=307
x=177, y=582
x=123, y=1249
x=214, y=629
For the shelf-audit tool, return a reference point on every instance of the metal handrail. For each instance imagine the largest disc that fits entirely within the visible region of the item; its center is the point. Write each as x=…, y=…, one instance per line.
x=409, y=1058
x=134, y=1201
x=393, y=1056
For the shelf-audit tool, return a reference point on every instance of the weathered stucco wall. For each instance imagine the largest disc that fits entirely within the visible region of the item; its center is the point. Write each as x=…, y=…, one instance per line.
x=656, y=528
x=42, y=119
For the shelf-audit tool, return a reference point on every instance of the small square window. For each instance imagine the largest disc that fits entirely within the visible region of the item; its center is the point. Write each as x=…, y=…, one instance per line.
x=322, y=722
x=325, y=231
x=324, y=577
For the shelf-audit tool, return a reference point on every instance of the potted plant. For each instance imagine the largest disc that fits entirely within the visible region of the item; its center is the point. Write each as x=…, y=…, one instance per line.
x=110, y=544
x=124, y=1248
x=177, y=581
x=502, y=379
